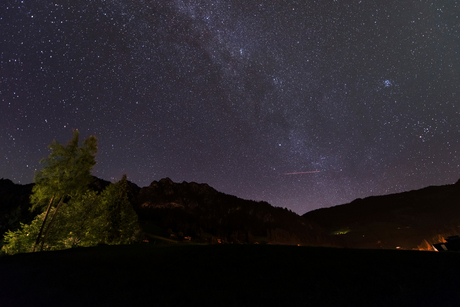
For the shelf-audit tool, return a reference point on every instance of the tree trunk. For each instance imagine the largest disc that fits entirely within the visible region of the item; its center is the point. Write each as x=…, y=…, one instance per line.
x=43, y=224
x=51, y=222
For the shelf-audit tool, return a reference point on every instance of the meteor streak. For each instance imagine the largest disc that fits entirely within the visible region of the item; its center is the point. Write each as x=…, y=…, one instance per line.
x=297, y=173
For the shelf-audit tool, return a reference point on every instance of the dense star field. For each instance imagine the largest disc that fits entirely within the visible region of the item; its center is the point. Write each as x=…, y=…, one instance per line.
x=303, y=104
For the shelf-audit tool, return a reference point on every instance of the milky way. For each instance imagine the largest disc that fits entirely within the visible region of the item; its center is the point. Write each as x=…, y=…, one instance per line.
x=303, y=104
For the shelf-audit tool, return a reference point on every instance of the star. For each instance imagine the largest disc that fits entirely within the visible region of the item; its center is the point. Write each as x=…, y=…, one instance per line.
x=236, y=94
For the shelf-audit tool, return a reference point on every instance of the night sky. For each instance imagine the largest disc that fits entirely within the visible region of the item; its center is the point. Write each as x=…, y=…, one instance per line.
x=303, y=104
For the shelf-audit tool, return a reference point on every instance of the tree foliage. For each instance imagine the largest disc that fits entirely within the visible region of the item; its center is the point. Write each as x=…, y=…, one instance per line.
x=66, y=172
x=23, y=239
x=79, y=216
x=118, y=214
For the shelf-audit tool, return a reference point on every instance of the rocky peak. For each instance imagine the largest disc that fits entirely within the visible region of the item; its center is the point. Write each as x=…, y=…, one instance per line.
x=166, y=187
x=166, y=181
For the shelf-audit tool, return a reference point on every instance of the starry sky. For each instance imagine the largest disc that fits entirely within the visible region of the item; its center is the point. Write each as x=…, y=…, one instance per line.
x=303, y=104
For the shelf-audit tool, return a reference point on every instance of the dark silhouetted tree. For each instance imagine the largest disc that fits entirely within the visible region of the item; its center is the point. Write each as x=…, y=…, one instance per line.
x=119, y=217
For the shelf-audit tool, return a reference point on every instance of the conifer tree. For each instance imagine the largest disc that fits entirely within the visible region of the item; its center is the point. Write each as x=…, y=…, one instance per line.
x=66, y=174
x=119, y=216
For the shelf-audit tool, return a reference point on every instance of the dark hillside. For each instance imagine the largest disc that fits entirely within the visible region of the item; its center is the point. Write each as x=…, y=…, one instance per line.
x=404, y=220
x=187, y=211
x=201, y=213
x=14, y=205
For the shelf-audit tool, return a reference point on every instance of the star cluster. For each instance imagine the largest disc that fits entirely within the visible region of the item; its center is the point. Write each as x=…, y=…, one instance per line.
x=250, y=97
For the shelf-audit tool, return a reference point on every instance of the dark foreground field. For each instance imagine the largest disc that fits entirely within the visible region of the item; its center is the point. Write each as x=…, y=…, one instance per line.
x=230, y=275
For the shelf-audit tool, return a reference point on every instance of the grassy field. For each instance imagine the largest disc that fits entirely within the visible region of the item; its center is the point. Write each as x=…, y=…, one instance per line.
x=229, y=275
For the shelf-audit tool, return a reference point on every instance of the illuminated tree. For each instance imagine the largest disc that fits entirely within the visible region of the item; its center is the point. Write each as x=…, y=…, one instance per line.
x=106, y=218
x=66, y=174
x=23, y=239
x=84, y=220
x=79, y=215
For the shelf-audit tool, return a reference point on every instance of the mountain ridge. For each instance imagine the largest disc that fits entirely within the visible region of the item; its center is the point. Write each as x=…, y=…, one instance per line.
x=187, y=211
x=190, y=211
x=404, y=220
x=199, y=211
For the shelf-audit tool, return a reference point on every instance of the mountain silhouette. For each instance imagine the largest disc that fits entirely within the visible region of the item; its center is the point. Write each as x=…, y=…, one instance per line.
x=409, y=220
x=189, y=211
x=14, y=205
x=200, y=213
x=171, y=212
